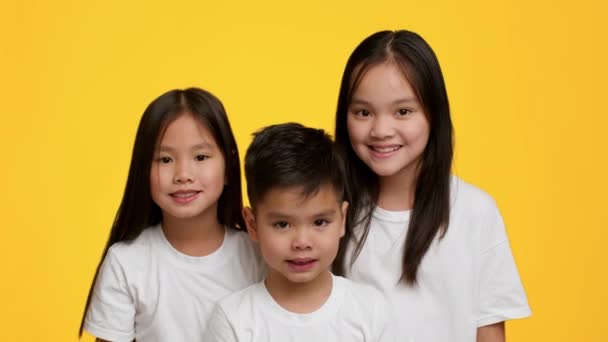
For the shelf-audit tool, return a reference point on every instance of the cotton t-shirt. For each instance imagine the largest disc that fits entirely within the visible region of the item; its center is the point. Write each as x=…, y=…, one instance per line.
x=466, y=280
x=353, y=312
x=148, y=291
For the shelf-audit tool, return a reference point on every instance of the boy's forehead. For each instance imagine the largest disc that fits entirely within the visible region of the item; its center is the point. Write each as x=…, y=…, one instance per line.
x=292, y=198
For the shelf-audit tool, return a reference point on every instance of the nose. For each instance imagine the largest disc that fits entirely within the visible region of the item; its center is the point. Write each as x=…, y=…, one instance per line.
x=182, y=173
x=301, y=240
x=382, y=127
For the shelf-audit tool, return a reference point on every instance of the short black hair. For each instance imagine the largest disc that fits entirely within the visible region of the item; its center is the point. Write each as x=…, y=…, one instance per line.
x=292, y=155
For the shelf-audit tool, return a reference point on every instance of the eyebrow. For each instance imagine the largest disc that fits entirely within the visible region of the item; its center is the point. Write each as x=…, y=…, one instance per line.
x=279, y=215
x=396, y=102
x=201, y=146
x=328, y=212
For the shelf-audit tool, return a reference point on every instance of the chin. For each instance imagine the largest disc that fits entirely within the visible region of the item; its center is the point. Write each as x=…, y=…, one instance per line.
x=384, y=172
x=299, y=278
x=185, y=214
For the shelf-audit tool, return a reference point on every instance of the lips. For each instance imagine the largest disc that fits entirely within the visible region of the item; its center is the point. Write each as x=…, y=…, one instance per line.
x=184, y=196
x=301, y=264
x=385, y=149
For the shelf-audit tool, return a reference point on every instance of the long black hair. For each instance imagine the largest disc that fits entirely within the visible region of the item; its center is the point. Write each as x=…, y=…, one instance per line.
x=431, y=209
x=137, y=210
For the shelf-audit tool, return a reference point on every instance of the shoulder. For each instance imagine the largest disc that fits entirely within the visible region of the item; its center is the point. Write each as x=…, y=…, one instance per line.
x=464, y=193
x=246, y=251
x=223, y=323
x=238, y=239
x=241, y=304
x=365, y=305
x=360, y=294
x=475, y=211
x=470, y=204
x=137, y=251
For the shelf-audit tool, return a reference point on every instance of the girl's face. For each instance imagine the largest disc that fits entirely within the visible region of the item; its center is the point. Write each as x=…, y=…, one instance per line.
x=387, y=126
x=188, y=170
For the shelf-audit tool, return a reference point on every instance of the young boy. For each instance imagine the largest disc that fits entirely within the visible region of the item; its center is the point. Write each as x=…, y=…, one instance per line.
x=296, y=189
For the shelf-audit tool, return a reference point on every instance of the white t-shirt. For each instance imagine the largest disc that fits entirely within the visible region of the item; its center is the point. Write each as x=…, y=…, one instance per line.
x=353, y=312
x=148, y=291
x=466, y=280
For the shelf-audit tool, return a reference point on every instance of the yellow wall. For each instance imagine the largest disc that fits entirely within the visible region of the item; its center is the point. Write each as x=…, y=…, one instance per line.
x=526, y=79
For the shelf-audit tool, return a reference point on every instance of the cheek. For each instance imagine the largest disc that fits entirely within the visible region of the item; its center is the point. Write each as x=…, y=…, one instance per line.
x=357, y=136
x=354, y=129
x=330, y=240
x=213, y=174
x=219, y=170
x=271, y=246
x=155, y=186
x=155, y=178
x=418, y=133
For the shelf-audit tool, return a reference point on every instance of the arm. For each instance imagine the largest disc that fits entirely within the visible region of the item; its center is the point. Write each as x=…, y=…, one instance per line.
x=111, y=313
x=491, y=333
x=501, y=294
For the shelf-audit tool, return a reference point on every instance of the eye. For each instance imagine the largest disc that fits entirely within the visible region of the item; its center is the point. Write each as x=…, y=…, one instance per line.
x=165, y=160
x=280, y=224
x=404, y=111
x=362, y=112
x=201, y=157
x=321, y=222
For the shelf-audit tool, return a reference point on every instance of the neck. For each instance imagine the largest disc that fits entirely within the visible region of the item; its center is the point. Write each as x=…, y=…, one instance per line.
x=300, y=298
x=397, y=192
x=196, y=236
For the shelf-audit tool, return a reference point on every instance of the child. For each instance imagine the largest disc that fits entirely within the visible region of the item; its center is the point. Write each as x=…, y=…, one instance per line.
x=175, y=247
x=433, y=244
x=295, y=186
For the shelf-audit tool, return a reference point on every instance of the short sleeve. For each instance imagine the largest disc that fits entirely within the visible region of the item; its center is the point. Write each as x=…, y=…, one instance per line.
x=501, y=293
x=219, y=328
x=111, y=313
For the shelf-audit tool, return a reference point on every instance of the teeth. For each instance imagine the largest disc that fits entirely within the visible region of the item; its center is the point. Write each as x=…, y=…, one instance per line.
x=385, y=149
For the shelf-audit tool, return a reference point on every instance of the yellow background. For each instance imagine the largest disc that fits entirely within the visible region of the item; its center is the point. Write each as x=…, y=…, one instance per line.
x=526, y=79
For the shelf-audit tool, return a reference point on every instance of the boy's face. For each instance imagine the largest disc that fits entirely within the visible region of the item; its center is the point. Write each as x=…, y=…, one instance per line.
x=298, y=236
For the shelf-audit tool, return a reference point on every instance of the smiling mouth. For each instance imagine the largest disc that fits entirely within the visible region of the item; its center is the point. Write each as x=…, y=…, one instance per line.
x=184, y=197
x=387, y=149
x=184, y=194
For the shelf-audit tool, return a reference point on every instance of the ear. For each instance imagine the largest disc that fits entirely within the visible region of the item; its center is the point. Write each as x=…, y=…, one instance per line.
x=252, y=228
x=343, y=223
